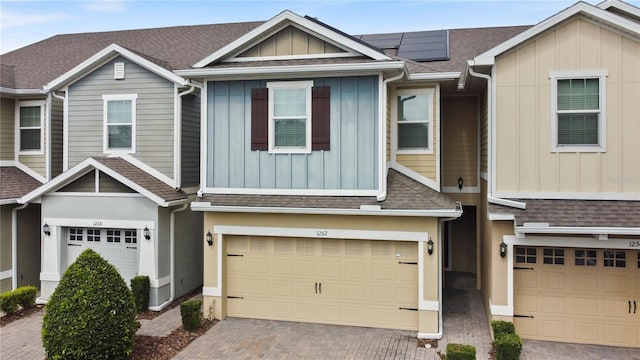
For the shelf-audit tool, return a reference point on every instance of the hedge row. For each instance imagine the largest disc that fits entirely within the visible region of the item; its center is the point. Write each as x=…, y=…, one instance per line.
x=24, y=296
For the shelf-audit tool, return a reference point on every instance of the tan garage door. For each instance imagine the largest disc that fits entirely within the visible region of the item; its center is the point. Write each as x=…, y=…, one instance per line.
x=578, y=295
x=331, y=281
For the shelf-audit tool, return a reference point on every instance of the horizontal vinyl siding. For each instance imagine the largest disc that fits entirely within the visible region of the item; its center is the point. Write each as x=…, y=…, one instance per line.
x=7, y=129
x=351, y=163
x=419, y=163
x=56, y=136
x=524, y=157
x=154, y=114
x=191, y=140
x=459, y=141
x=110, y=185
x=86, y=183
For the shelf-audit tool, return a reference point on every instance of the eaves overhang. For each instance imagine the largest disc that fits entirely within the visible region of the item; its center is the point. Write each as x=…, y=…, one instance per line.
x=576, y=230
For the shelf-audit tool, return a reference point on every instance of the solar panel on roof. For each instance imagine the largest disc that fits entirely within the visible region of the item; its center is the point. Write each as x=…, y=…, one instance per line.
x=418, y=46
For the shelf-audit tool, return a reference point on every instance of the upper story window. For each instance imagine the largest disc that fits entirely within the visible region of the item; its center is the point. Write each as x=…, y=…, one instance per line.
x=414, y=121
x=290, y=117
x=30, y=125
x=119, y=123
x=578, y=106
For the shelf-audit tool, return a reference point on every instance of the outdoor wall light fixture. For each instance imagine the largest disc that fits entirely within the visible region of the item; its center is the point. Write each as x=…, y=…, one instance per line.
x=145, y=232
x=460, y=182
x=209, y=238
x=503, y=249
x=45, y=229
x=430, y=247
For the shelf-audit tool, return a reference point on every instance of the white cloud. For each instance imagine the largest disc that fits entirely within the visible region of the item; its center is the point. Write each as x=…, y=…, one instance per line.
x=10, y=19
x=106, y=6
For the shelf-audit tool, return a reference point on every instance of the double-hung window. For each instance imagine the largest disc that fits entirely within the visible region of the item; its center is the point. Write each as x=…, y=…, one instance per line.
x=30, y=124
x=290, y=116
x=119, y=123
x=414, y=121
x=578, y=111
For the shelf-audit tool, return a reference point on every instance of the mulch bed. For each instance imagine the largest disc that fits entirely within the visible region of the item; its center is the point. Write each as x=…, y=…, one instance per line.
x=164, y=348
x=9, y=318
x=149, y=314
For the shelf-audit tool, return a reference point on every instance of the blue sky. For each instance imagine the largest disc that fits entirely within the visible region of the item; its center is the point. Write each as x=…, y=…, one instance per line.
x=23, y=22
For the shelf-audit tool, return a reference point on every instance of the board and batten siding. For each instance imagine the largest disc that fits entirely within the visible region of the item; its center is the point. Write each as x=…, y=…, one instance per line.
x=56, y=136
x=154, y=114
x=459, y=140
x=291, y=41
x=190, y=140
x=351, y=163
x=7, y=129
x=525, y=160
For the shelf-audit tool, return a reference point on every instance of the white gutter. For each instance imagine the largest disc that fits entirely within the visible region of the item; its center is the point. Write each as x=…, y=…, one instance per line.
x=10, y=91
x=177, y=150
x=172, y=241
x=491, y=115
x=383, y=135
x=542, y=229
x=14, y=245
x=202, y=206
x=387, y=65
x=434, y=76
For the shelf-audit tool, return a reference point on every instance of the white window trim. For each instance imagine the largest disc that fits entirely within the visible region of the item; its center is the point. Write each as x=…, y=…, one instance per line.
x=29, y=103
x=105, y=131
x=289, y=149
x=602, y=124
x=430, y=92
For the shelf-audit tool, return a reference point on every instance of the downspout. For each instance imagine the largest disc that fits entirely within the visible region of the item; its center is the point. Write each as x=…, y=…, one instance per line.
x=491, y=120
x=177, y=152
x=172, y=240
x=14, y=245
x=383, y=135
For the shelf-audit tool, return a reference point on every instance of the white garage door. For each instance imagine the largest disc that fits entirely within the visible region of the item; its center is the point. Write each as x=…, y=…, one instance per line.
x=578, y=295
x=331, y=281
x=118, y=246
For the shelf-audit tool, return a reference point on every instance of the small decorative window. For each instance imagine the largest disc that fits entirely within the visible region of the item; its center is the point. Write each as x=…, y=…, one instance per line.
x=93, y=235
x=525, y=255
x=578, y=99
x=113, y=236
x=414, y=121
x=290, y=116
x=131, y=236
x=554, y=256
x=586, y=257
x=615, y=258
x=30, y=125
x=75, y=234
x=119, y=123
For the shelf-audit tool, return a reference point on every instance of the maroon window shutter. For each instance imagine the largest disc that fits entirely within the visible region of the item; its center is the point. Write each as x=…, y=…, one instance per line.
x=320, y=117
x=259, y=119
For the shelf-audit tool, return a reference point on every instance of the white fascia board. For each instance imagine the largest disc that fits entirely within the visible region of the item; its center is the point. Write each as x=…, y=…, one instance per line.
x=10, y=91
x=577, y=230
x=110, y=52
x=275, y=22
x=488, y=57
x=499, y=216
x=203, y=206
x=630, y=196
x=434, y=76
x=616, y=4
x=506, y=202
x=24, y=168
x=80, y=170
x=8, y=201
x=292, y=69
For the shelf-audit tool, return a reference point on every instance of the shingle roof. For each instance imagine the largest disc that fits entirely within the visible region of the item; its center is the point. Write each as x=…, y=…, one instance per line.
x=14, y=182
x=575, y=213
x=143, y=179
x=176, y=47
x=403, y=194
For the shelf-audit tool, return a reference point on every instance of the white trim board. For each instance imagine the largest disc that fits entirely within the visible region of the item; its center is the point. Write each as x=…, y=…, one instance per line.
x=321, y=233
x=7, y=274
x=568, y=195
x=101, y=223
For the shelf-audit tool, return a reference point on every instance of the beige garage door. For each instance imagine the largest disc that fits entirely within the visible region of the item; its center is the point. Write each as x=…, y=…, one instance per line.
x=578, y=295
x=331, y=281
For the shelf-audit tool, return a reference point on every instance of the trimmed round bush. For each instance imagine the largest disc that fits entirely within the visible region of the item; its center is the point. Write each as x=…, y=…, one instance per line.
x=91, y=314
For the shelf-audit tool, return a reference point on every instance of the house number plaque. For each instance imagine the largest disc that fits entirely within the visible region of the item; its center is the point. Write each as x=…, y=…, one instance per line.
x=321, y=233
x=634, y=244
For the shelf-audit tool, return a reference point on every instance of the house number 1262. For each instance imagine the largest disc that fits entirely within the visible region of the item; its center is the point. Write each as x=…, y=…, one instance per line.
x=321, y=233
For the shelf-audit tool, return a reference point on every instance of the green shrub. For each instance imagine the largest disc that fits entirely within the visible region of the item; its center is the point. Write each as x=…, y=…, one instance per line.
x=26, y=296
x=460, y=352
x=140, y=287
x=190, y=312
x=91, y=314
x=9, y=302
x=507, y=346
x=502, y=327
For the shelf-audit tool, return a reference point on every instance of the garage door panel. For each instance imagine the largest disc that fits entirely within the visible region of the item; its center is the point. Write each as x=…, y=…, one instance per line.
x=586, y=331
x=553, y=280
x=585, y=282
x=615, y=284
x=615, y=332
x=554, y=305
x=525, y=278
x=348, y=282
x=586, y=307
x=616, y=309
x=527, y=327
x=554, y=329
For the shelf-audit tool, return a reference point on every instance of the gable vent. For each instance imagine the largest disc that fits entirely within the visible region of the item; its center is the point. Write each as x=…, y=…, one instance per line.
x=118, y=71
